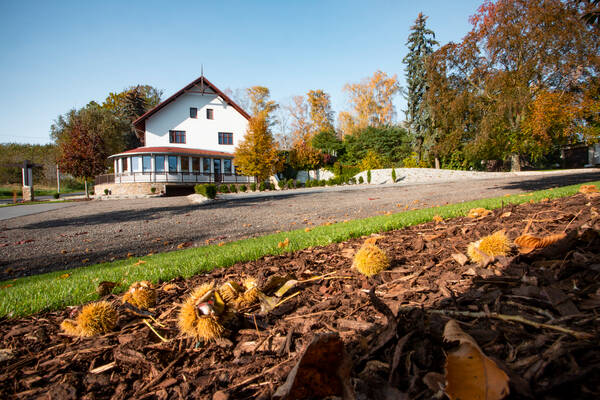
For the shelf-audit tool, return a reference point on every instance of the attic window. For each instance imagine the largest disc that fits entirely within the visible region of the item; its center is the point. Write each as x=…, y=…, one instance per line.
x=193, y=112
x=209, y=113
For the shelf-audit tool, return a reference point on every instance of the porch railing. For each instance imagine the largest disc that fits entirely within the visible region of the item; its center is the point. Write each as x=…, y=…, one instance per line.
x=173, y=177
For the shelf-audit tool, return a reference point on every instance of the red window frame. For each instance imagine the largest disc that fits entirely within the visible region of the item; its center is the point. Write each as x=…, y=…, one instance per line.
x=177, y=137
x=226, y=138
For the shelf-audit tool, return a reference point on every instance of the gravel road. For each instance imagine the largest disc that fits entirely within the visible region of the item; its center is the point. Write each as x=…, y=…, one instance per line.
x=96, y=231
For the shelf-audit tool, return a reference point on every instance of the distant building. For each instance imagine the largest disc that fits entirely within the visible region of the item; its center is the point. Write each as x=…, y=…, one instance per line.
x=189, y=138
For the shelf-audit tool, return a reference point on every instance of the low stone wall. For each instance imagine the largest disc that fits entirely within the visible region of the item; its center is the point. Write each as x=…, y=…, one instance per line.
x=129, y=189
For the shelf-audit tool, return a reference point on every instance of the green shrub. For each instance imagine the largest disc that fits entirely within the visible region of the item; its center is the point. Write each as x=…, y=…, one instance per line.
x=232, y=188
x=361, y=180
x=208, y=190
x=56, y=195
x=91, y=192
x=290, y=184
x=352, y=181
x=224, y=189
x=412, y=161
x=393, y=174
x=153, y=190
x=253, y=187
x=262, y=186
x=243, y=188
x=369, y=176
x=330, y=182
x=106, y=192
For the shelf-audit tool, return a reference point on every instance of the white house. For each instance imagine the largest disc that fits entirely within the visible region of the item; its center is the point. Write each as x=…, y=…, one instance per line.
x=189, y=138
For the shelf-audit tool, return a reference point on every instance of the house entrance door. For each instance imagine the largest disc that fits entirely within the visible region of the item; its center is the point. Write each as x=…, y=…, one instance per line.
x=217, y=169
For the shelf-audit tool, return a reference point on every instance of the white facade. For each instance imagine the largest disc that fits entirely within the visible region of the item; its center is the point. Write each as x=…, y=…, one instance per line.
x=200, y=132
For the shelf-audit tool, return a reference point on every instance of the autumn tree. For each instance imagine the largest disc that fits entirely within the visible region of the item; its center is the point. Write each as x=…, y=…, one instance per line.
x=321, y=113
x=259, y=100
x=302, y=154
x=83, y=141
x=371, y=103
x=484, y=88
x=420, y=45
x=257, y=153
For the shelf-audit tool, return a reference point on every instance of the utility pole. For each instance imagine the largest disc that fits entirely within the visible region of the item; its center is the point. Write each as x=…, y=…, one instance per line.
x=57, y=179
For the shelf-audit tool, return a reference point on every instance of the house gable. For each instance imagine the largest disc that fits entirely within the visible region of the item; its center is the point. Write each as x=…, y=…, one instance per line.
x=215, y=114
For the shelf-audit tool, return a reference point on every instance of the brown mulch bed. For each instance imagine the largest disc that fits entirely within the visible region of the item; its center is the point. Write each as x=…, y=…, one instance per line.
x=395, y=347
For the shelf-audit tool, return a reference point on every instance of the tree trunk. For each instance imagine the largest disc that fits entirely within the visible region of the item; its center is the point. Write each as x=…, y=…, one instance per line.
x=515, y=163
x=437, y=163
x=87, y=195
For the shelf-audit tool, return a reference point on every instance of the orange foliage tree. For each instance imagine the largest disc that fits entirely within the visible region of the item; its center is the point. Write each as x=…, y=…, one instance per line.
x=371, y=101
x=257, y=153
x=521, y=57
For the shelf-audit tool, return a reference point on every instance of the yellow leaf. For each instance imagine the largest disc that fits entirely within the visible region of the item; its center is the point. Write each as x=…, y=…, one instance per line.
x=65, y=276
x=438, y=219
x=85, y=260
x=306, y=229
x=140, y=262
x=221, y=244
x=470, y=374
x=478, y=212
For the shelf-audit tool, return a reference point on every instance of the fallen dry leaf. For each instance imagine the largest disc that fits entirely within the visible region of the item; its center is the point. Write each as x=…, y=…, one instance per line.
x=221, y=244
x=587, y=189
x=430, y=237
x=478, y=212
x=65, y=276
x=437, y=219
x=460, y=258
x=470, y=374
x=306, y=229
x=140, y=262
x=528, y=243
x=284, y=244
x=506, y=214
x=85, y=260
x=373, y=239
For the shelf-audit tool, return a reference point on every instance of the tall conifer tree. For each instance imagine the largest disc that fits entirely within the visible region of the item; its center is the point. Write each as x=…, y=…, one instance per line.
x=420, y=45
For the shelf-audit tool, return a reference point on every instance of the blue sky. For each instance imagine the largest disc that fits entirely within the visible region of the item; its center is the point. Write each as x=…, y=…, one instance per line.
x=58, y=55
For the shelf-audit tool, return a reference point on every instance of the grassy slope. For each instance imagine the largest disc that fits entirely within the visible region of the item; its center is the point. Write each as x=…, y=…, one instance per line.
x=62, y=288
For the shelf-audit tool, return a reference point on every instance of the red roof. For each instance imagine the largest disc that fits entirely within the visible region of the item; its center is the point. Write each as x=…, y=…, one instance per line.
x=140, y=123
x=173, y=150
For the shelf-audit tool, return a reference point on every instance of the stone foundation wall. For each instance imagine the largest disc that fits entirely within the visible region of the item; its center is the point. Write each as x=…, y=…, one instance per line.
x=27, y=193
x=128, y=189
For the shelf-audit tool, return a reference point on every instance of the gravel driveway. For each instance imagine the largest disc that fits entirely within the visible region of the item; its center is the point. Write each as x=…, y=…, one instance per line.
x=96, y=231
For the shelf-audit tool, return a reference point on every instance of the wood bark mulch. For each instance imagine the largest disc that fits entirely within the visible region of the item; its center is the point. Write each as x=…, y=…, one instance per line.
x=392, y=334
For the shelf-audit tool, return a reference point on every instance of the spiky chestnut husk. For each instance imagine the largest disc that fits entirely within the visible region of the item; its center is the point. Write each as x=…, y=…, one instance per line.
x=370, y=260
x=230, y=290
x=246, y=299
x=206, y=327
x=141, y=294
x=201, y=290
x=94, y=319
x=493, y=245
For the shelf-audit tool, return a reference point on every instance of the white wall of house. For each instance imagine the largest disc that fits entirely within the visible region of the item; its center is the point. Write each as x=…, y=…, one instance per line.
x=201, y=133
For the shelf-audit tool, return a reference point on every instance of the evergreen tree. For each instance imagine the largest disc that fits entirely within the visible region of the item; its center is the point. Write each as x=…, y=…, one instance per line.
x=420, y=45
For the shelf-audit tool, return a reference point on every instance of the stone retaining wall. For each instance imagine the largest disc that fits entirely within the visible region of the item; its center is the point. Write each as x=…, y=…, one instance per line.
x=129, y=189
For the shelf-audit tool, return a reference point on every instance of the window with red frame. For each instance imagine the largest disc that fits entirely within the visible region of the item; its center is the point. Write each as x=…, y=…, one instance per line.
x=225, y=138
x=176, y=136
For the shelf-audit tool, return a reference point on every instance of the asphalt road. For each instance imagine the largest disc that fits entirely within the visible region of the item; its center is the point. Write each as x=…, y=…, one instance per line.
x=95, y=231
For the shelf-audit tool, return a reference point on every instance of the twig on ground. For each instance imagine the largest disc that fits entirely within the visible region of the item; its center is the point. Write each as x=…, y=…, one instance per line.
x=512, y=318
x=154, y=330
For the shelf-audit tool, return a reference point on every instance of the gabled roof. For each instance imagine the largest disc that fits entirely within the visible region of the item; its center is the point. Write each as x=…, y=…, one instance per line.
x=172, y=150
x=140, y=123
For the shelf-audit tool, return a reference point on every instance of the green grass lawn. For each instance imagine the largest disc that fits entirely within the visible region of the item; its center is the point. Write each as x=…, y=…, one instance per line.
x=6, y=192
x=56, y=290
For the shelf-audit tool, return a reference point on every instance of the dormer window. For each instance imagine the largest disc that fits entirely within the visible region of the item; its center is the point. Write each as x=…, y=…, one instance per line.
x=193, y=112
x=209, y=113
